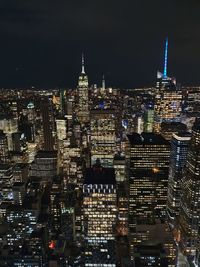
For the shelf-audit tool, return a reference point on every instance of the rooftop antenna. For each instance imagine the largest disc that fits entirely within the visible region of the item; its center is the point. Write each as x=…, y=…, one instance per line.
x=83, y=64
x=166, y=58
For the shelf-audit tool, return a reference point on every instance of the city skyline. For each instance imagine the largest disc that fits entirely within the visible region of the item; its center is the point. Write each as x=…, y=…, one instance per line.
x=42, y=42
x=99, y=133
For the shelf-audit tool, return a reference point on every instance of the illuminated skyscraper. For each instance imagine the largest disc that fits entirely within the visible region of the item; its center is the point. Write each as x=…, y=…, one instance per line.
x=99, y=215
x=189, y=219
x=4, y=153
x=61, y=128
x=148, y=120
x=83, y=108
x=178, y=155
x=168, y=98
x=31, y=112
x=103, y=136
x=9, y=125
x=148, y=180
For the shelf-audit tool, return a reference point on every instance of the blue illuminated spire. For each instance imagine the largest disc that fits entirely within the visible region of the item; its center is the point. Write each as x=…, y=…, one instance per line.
x=166, y=58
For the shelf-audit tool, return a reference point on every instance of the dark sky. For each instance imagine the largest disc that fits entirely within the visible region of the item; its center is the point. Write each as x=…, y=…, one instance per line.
x=42, y=41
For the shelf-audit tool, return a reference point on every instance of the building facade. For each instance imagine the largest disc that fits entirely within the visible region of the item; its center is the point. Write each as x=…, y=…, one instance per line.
x=178, y=156
x=189, y=218
x=99, y=216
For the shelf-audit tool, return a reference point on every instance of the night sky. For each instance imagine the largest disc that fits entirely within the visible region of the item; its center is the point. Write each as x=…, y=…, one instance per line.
x=42, y=41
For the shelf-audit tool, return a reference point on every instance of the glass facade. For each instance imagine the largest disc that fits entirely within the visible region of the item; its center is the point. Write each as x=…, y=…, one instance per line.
x=178, y=156
x=99, y=220
x=189, y=219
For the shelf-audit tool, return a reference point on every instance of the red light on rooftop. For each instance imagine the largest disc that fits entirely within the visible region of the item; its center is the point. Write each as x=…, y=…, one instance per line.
x=52, y=245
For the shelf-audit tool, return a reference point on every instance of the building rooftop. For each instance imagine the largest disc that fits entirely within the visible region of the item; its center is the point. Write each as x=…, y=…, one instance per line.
x=147, y=139
x=119, y=157
x=173, y=125
x=99, y=175
x=159, y=233
x=46, y=154
x=182, y=136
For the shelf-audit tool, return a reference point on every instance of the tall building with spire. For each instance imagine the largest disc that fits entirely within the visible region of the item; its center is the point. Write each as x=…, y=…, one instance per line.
x=103, y=86
x=168, y=97
x=83, y=99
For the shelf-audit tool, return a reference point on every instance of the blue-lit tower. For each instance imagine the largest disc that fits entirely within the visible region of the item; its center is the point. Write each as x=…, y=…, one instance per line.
x=168, y=97
x=166, y=58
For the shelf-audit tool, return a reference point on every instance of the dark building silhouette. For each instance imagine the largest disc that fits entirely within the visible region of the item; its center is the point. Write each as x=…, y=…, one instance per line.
x=47, y=125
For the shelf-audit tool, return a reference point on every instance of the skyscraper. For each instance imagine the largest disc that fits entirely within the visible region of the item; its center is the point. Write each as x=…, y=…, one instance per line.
x=189, y=219
x=47, y=123
x=148, y=120
x=4, y=153
x=148, y=180
x=103, y=136
x=99, y=216
x=168, y=98
x=83, y=108
x=178, y=155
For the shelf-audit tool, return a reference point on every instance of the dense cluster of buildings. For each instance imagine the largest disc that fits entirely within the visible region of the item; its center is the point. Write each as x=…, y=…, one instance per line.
x=98, y=176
